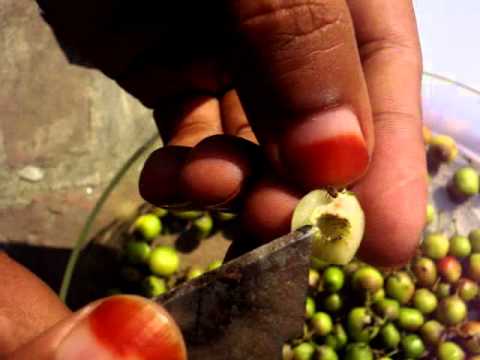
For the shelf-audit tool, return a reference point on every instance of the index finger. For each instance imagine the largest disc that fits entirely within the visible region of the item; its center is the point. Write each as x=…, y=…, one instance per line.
x=300, y=79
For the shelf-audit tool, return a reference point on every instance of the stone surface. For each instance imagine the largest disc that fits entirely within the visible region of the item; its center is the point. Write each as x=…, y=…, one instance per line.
x=63, y=128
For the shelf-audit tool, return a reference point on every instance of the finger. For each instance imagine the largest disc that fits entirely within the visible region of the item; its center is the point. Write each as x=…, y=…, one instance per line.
x=268, y=209
x=120, y=327
x=182, y=125
x=218, y=169
x=27, y=306
x=393, y=193
x=234, y=119
x=299, y=77
x=158, y=183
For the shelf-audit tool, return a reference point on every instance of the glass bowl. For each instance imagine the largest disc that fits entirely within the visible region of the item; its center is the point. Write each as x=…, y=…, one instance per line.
x=448, y=108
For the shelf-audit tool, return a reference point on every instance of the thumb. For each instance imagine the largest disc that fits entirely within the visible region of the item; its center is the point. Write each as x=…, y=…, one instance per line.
x=120, y=327
x=300, y=80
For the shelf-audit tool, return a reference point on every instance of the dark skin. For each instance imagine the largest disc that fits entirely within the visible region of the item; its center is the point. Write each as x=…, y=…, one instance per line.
x=238, y=87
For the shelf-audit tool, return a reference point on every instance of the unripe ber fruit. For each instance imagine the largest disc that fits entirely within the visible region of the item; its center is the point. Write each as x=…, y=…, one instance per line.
x=452, y=310
x=425, y=301
x=450, y=351
x=460, y=246
x=435, y=246
x=432, y=332
x=400, y=287
x=425, y=271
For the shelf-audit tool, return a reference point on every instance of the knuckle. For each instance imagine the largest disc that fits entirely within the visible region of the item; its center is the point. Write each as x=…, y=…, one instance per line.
x=291, y=21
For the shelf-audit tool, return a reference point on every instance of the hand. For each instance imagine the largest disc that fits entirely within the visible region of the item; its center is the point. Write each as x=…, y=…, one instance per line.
x=328, y=88
x=34, y=324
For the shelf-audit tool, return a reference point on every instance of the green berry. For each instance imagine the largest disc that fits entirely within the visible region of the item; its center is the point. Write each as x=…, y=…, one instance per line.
x=410, y=319
x=310, y=307
x=413, y=346
x=333, y=303
x=367, y=278
x=387, y=308
x=137, y=252
x=313, y=278
x=466, y=181
x=214, y=265
x=304, y=351
x=333, y=279
x=337, y=339
x=361, y=325
x=390, y=336
x=358, y=351
x=203, y=226
x=325, y=352
x=425, y=301
x=460, y=246
x=474, y=238
x=378, y=295
x=425, y=271
x=164, y=261
x=452, y=310
x=474, y=267
x=467, y=289
x=194, y=272
x=153, y=286
x=148, y=226
x=432, y=332
x=400, y=287
x=435, y=246
x=450, y=351
x=322, y=323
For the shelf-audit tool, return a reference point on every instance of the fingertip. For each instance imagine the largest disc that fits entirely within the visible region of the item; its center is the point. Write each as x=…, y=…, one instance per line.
x=158, y=182
x=395, y=220
x=217, y=169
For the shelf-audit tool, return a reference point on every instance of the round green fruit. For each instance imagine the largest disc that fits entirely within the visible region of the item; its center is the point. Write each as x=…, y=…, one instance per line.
x=164, y=261
x=450, y=351
x=460, y=246
x=435, y=246
x=400, y=287
x=148, y=226
x=425, y=301
x=412, y=346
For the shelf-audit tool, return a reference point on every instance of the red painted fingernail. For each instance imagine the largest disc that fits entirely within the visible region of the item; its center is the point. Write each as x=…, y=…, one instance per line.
x=326, y=150
x=124, y=327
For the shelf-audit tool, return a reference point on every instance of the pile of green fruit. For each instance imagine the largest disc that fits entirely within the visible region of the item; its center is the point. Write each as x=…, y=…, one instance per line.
x=148, y=266
x=425, y=310
x=429, y=309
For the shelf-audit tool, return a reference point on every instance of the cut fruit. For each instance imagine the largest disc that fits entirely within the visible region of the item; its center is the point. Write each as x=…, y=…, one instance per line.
x=340, y=222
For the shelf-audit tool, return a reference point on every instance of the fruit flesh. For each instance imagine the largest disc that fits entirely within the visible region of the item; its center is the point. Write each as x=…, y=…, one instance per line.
x=340, y=224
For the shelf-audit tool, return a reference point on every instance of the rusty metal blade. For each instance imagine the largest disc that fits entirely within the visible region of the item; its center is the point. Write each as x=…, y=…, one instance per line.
x=250, y=306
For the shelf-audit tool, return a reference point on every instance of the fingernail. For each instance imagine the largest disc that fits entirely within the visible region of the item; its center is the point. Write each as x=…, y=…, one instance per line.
x=327, y=149
x=124, y=327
